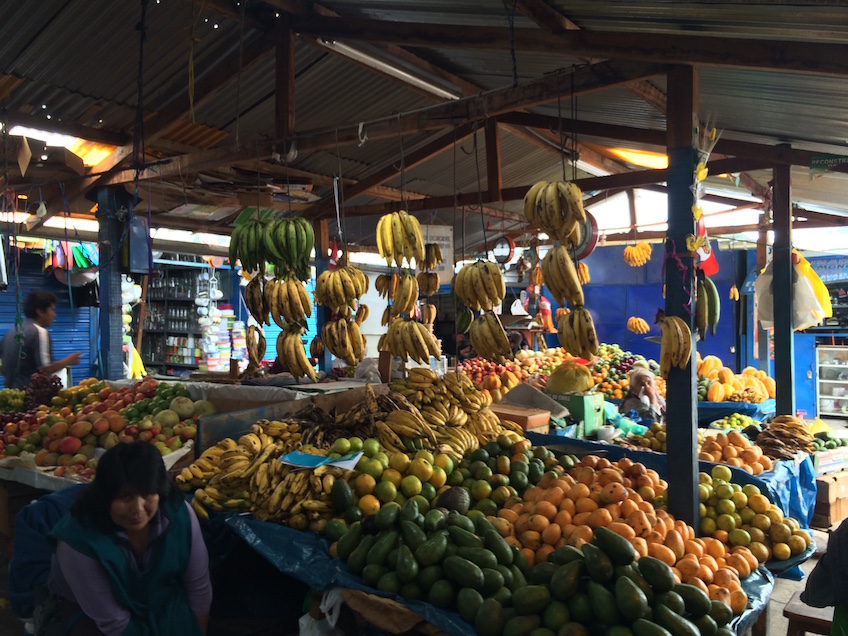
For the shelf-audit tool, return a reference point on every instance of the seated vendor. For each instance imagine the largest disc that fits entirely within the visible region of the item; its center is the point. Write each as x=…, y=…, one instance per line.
x=643, y=396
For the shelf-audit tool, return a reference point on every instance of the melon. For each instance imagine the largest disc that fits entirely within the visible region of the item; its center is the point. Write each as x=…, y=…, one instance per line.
x=168, y=417
x=182, y=406
x=202, y=408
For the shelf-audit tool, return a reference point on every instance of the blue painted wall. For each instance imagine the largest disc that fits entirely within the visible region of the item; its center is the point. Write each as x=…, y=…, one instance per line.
x=617, y=291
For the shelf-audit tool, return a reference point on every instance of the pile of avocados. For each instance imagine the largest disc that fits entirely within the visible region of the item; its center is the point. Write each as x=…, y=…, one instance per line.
x=825, y=441
x=460, y=562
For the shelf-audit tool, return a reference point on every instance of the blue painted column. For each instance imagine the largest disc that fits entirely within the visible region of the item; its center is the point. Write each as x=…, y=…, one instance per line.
x=113, y=208
x=784, y=343
x=681, y=385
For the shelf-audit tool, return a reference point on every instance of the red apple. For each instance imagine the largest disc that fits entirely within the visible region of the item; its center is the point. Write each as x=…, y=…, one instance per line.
x=131, y=430
x=155, y=429
x=145, y=436
x=189, y=432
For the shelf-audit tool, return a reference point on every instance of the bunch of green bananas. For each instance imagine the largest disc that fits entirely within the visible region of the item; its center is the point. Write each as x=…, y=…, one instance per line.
x=428, y=283
x=561, y=277
x=464, y=318
x=480, y=285
x=289, y=243
x=287, y=300
x=399, y=238
x=339, y=288
x=292, y=354
x=410, y=339
x=432, y=256
x=577, y=334
x=405, y=296
x=489, y=338
x=557, y=209
x=707, y=307
x=344, y=340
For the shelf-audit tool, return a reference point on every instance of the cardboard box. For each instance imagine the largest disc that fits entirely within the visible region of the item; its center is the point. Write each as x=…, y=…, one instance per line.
x=534, y=420
x=831, y=487
x=830, y=461
x=587, y=408
x=827, y=514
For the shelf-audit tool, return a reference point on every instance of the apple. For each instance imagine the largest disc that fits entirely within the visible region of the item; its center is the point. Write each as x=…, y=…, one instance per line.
x=145, y=425
x=145, y=436
x=156, y=430
x=160, y=438
x=131, y=430
x=139, y=397
x=169, y=432
x=189, y=432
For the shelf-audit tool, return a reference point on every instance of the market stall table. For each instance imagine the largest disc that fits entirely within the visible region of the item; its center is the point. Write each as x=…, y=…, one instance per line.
x=711, y=411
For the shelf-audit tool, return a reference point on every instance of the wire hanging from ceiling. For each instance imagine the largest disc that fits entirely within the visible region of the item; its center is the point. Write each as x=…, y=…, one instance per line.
x=510, y=16
x=192, y=42
x=338, y=192
x=476, y=150
x=238, y=76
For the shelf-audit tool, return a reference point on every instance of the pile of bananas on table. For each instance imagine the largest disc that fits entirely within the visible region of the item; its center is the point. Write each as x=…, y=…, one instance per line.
x=427, y=391
x=399, y=239
x=286, y=243
x=407, y=339
x=748, y=394
x=784, y=436
x=489, y=339
x=557, y=209
x=676, y=343
x=707, y=307
x=637, y=325
x=637, y=255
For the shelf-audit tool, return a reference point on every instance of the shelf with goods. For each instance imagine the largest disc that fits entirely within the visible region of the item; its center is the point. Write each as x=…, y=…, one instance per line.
x=832, y=381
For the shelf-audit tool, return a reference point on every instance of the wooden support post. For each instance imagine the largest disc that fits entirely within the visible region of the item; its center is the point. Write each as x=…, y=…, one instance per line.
x=493, y=160
x=322, y=263
x=284, y=95
x=142, y=312
x=631, y=203
x=784, y=358
x=682, y=390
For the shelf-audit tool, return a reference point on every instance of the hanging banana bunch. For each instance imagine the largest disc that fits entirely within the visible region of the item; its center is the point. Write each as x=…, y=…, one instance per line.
x=406, y=295
x=316, y=348
x=637, y=325
x=561, y=277
x=410, y=339
x=557, y=209
x=538, y=279
x=583, y=273
x=676, y=343
x=386, y=285
x=428, y=314
x=637, y=255
x=340, y=288
x=707, y=307
x=432, y=256
x=286, y=301
x=480, y=285
x=464, y=318
x=255, y=345
x=399, y=239
x=255, y=300
x=488, y=338
x=292, y=354
x=734, y=293
x=577, y=334
x=344, y=340
x=428, y=283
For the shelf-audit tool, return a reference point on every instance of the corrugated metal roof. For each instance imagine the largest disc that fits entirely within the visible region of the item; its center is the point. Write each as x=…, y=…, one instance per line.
x=459, y=12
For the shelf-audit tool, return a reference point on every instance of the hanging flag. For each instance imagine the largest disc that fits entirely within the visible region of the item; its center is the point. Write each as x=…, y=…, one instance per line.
x=709, y=264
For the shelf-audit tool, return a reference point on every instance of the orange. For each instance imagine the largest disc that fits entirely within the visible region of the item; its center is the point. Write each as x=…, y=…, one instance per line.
x=392, y=475
x=364, y=485
x=421, y=468
x=439, y=477
x=369, y=504
x=385, y=491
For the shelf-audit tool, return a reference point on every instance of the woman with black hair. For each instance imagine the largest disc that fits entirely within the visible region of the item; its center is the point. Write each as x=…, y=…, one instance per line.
x=129, y=558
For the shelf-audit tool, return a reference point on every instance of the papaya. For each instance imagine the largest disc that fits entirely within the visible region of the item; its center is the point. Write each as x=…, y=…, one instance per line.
x=674, y=623
x=480, y=556
x=463, y=538
x=643, y=627
x=496, y=544
x=492, y=581
x=598, y=564
x=697, y=602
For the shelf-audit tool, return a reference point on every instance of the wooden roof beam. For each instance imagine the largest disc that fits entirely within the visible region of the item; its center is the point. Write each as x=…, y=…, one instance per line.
x=819, y=58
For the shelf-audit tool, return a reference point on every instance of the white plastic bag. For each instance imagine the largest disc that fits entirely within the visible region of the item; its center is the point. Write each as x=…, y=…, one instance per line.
x=806, y=309
x=331, y=606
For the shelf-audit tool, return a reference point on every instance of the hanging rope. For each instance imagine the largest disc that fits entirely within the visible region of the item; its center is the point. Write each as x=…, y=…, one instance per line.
x=338, y=193
x=403, y=199
x=288, y=182
x=192, y=42
x=510, y=16
x=559, y=127
x=476, y=151
x=238, y=77
x=462, y=256
x=575, y=156
x=138, y=133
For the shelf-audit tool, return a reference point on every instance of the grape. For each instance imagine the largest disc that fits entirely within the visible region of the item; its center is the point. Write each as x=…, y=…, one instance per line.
x=41, y=390
x=11, y=400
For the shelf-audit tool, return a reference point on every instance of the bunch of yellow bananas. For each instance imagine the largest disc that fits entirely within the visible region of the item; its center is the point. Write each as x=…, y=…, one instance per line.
x=286, y=300
x=583, y=273
x=292, y=354
x=255, y=345
x=344, y=340
x=428, y=314
x=489, y=338
x=734, y=293
x=399, y=239
x=561, y=277
x=637, y=325
x=676, y=343
x=557, y=209
x=577, y=334
x=432, y=256
x=405, y=296
x=480, y=285
x=637, y=255
x=410, y=339
x=387, y=284
x=428, y=283
x=339, y=288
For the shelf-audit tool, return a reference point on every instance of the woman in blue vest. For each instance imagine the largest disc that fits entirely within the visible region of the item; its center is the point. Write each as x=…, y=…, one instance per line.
x=130, y=558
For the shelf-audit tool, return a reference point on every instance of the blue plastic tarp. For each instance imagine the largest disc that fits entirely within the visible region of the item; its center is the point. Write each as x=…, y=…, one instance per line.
x=711, y=411
x=758, y=587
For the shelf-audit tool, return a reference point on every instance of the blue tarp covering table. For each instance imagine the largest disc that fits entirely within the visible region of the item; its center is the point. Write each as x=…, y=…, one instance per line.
x=709, y=412
x=305, y=556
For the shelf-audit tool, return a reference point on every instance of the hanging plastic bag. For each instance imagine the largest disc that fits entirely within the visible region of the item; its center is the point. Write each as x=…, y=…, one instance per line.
x=806, y=309
x=331, y=604
x=822, y=295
